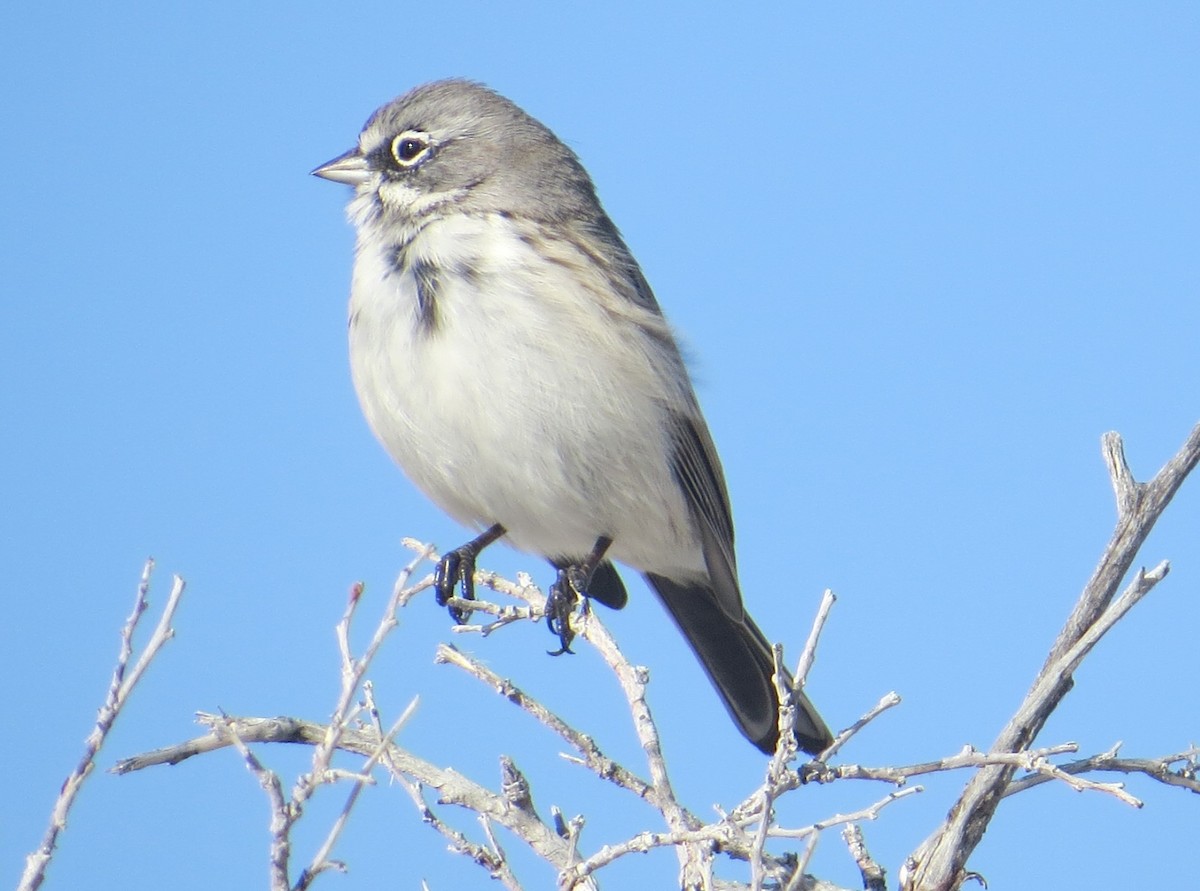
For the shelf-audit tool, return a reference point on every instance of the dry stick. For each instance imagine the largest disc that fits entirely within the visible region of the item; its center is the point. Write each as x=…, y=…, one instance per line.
x=813, y=832
x=452, y=787
x=684, y=834
x=939, y=863
x=1155, y=768
x=747, y=811
x=282, y=813
x=459, y=844
x=502, y=871
x=809, y=654
x=119, y=690
x=321, y=862
x=695, y=860
x=353, y=671
x=968, y=757
x=590, y=754
x=727, y=836
x=873, y=875
x=777, y=772
x=633, y=683
x=285, y=813
x=776, y=781
x=352, y=674
x=887, y=701
x=797, y=879
x=870, y=812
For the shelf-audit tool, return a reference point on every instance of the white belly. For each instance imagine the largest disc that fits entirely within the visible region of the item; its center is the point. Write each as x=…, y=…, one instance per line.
x=525, y=403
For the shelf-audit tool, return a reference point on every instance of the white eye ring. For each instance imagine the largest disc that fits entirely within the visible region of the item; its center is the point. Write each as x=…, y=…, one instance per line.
x=410, y=148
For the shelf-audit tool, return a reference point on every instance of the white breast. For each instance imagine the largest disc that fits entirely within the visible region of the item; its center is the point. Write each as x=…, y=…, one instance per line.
x=527, y=403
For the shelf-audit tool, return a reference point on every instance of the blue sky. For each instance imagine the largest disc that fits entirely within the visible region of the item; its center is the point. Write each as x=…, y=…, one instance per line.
x=922, y=255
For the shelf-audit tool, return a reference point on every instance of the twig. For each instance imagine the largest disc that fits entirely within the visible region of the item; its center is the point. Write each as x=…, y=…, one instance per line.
x=695, y=860
x=119, y=691
x=281, y=811
x=590, y=754
x=968, y=758
x=726, y=835
x=870, y=812
x=1155, y=768
x=887, y=701
x=873, y=875
x=809, y=654
x=939, y=863
x=810, y=847
x=321, y=861
x=452, y=788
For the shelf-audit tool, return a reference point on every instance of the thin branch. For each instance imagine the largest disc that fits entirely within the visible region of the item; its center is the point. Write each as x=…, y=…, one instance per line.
x=321, y=860
x=887, y=701
x=796, y=882
x=874, y=876
x=695, y=859
x=590, y=754
x=809, y=654
x=119, y=691
x=452, y=787
x=281, y=811
x=939, y=864
x=1159, y=769
x=633, y=683
x=458, y=843
x=870, y=812
x=726, y=835
x=778, y=778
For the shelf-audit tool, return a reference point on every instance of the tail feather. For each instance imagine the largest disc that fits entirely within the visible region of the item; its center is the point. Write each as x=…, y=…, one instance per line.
x=738, y=660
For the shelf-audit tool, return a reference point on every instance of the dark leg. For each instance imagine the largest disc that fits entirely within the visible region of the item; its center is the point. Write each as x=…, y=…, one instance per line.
x=571, y=584
x=458, y=567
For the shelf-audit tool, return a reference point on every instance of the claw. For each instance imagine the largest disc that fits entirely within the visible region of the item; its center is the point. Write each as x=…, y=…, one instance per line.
x=457, y=569
x=559, y=605
x=567, y=590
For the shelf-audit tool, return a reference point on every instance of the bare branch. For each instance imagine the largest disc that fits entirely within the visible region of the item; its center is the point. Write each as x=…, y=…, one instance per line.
x=282, y=813
x=746, y=832
x=873, y=875
x=459, y=844
x=452, y=788
x=590, y=754
x=321, y=861
x=119, y=691
x=889, y=700
x=1156, y=768
x=939, y=863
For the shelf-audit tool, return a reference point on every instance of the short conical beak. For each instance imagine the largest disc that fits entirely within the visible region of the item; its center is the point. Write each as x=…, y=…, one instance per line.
x=350, y=168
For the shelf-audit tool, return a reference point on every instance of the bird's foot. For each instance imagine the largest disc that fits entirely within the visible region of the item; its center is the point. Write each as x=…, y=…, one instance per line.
x=570, y=586
x=457, y=569
x=565, y=594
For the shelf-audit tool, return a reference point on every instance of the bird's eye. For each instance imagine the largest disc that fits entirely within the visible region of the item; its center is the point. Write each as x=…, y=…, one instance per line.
x=410, y=147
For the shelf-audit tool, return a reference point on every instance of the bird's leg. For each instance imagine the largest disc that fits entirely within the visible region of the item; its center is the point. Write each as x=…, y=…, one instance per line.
x=571, y=584
x=457, y=567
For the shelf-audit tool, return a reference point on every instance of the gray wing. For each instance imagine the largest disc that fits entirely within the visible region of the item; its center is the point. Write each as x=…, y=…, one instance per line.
x=732, y=649
x=698, y=470
x=694, y=458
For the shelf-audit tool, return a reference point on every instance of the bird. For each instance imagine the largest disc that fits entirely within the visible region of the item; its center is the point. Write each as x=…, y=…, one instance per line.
x=511, y=357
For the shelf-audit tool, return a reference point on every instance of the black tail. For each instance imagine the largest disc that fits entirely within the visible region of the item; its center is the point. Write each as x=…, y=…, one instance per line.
x=738, y=660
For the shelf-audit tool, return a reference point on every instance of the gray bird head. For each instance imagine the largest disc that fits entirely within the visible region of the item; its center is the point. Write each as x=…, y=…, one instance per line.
x=457, y=142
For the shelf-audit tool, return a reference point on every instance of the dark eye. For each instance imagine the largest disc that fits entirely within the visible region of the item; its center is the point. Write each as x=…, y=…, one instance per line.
x=409, y=147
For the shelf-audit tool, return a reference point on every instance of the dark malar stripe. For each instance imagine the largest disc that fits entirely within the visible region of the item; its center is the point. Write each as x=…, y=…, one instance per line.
x=426, y=277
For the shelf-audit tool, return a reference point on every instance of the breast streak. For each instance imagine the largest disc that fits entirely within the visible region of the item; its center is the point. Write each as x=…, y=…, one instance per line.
x=522, y=405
